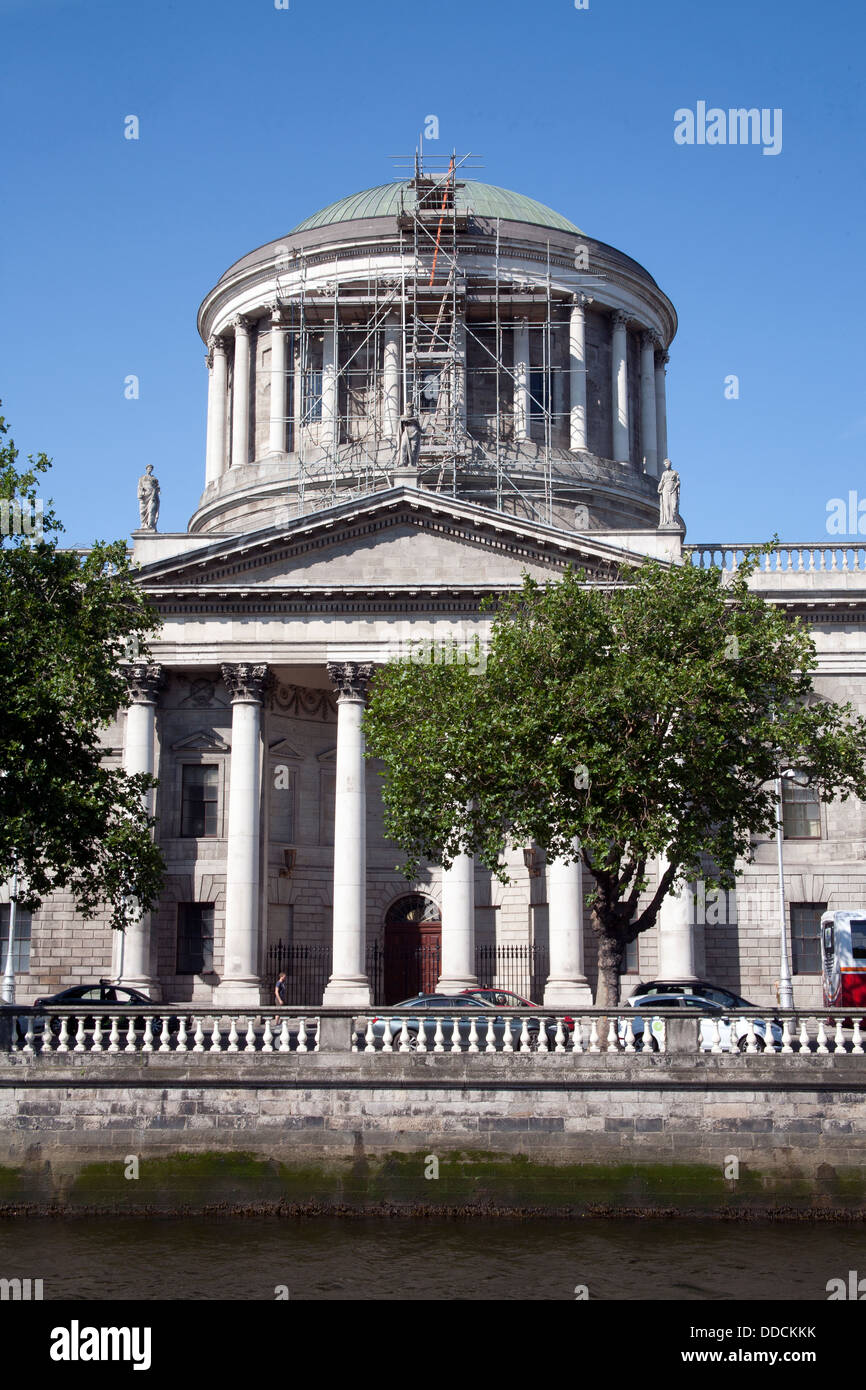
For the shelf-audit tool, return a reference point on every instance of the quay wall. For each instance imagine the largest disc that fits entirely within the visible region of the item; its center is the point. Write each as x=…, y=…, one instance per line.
x=323, y=1131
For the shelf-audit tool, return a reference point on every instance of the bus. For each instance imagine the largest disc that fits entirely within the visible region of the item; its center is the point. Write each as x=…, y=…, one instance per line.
x=843, y=958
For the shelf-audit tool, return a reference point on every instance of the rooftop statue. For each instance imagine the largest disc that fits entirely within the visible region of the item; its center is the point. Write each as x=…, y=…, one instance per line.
x=669, y=496
x=410, y=441
x=148, y=499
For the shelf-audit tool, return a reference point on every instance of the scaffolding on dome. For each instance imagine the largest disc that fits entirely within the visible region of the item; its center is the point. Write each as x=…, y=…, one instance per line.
x=341, y=418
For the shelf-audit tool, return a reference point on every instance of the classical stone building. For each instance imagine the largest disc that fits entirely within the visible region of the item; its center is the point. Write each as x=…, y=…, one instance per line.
x=420, y=394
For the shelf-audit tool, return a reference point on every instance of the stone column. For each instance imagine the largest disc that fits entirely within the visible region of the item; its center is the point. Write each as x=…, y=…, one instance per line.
x=300, y=405
x=136, y=948
x=208, y=448
x=577, y=372
x=567, y=986
x=330, y=433
x=661, y=359
x=241, y=394
x=521, y=379
x=648, y=427
x=277, y=420
x=349, y=986
x=458, y=926
x=216, y=413
x=240, y=984
x=391, y=379
x=619, y=385
x=676, y=933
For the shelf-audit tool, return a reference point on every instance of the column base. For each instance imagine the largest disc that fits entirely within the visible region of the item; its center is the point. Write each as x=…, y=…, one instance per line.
x=455, y=984
x=348, y=992
x=238, y=994
x=568, y=994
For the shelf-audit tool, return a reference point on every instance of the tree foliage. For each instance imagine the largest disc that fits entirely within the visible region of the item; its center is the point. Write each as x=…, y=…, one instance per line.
x=645, y=718
x=67, y=821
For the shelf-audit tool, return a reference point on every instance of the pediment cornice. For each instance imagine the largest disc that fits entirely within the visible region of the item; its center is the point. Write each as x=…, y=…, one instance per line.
x=234, y=566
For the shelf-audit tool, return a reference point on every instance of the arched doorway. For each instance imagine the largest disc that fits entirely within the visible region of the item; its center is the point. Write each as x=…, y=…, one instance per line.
x=413, y=944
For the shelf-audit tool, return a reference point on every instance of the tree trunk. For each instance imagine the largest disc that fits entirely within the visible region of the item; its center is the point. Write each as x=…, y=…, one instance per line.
x=611, y=950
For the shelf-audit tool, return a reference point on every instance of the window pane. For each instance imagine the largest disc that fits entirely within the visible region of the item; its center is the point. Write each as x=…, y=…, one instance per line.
x=200, y=800
x=194, y=938
x=806, y=937
x=21, y=944
x=630, y=963
x=801, y=812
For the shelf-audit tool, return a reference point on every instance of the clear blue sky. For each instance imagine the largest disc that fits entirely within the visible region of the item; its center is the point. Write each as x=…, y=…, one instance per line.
x=252, y=117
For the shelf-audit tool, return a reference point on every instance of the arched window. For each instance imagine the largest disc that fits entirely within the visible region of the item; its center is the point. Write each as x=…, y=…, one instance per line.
x=414, y=907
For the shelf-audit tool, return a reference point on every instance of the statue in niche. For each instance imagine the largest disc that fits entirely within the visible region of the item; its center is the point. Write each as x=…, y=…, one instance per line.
x=410, y=441
x=669, y=496
x=148, y=499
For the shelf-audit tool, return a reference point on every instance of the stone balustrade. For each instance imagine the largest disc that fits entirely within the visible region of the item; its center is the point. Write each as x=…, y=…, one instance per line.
x=801, y=557
x=618, y=1031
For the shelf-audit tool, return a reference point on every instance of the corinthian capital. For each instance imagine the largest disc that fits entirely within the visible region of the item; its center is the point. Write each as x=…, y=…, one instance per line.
x=216, y=344
x=144, y=681
x=241, y=324
x=350, y=678
x=246, y=682
x=619, y=319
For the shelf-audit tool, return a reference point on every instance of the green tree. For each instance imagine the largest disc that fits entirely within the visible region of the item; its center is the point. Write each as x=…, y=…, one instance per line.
x=645, y=718
x=67, y=620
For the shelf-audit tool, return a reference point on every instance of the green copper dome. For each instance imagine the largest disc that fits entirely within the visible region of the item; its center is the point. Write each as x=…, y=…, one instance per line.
x=482, y=199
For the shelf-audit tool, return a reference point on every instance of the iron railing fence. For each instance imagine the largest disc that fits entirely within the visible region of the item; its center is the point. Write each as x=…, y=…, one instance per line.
x=397, y=971
x=521, y=968
x=308, y=967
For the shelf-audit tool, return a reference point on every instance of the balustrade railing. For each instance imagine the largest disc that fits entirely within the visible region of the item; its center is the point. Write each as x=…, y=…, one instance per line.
x=614, y=1031
x=802, y=556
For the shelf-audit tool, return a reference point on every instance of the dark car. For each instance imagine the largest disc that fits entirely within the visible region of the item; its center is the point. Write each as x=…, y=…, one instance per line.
x=448, y=1009
x=507, y=999
x=715, y=994
x=108, y=1001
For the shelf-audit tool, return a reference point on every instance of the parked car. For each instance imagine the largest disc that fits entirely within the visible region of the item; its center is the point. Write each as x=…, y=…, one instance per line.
x=449, y=1008
x=732, y=1032
x=110, y=999
x=507, y=999
x=697, y=988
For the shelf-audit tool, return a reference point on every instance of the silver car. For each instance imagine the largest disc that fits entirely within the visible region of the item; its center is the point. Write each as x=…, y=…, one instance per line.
x=732, y=1032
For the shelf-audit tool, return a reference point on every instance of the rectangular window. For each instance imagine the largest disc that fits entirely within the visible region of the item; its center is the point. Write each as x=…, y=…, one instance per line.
x=539, y=398
x=312, y=395
x=327, y=799
x=806, y=937
x=199, y=800
x=21, y=944
x=801, y=812
x=194, y=938
x=630, y=962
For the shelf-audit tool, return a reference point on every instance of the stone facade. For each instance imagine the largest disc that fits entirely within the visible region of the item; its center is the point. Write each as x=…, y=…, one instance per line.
x=310, y=549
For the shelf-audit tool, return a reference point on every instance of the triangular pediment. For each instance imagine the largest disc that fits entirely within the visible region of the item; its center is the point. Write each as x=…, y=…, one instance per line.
x=401, y=540
x=281, y=748
x=202, y=741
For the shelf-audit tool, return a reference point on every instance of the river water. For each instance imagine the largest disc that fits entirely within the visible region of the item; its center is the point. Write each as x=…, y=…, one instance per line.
x=411, y=1259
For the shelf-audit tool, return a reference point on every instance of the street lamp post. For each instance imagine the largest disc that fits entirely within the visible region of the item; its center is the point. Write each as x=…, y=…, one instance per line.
x=7, y=993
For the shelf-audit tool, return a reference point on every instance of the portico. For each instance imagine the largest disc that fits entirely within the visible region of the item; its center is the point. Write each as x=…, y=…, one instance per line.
x=263, y=720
